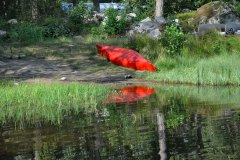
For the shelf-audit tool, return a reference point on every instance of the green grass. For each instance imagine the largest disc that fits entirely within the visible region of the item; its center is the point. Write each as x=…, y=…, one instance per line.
x=149, y=48
x=211, y=44
x=206, y=60
x=49, y=102
x=217, y=70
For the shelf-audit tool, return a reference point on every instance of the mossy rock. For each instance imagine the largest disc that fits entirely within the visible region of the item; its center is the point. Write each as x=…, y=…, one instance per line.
x=184, y=17
x=208, y=11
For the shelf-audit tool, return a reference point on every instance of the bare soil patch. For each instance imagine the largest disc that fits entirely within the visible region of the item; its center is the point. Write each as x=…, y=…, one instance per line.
x=75, y=62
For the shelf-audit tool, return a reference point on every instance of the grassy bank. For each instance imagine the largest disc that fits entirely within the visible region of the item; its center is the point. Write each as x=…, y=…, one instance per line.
x=207, y=60
x=51, y=102
x=217, y=70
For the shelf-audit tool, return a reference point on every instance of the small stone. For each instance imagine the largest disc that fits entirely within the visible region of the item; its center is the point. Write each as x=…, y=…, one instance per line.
x=238, y=32
x=2, y=33
x=9, y=72
x=63, y=78
x=12, y=21
x=146, y=20
x=23, y=70
x=128, y=76
x=132, y=15
x=21, y=55
x=78, y=38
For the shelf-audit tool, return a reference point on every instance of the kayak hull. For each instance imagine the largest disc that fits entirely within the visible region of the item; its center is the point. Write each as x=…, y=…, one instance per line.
x=125, y=57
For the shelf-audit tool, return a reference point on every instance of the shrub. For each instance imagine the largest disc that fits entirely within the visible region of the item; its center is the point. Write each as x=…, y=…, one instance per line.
x=113, y=23
x=142, y=9
x=78, y=13
x=26, y=32
x=173, y=40
x=237, y=8
x=55, y=27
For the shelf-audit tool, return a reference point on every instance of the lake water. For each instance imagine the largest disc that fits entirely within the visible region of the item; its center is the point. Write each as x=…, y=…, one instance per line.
x=160, y=122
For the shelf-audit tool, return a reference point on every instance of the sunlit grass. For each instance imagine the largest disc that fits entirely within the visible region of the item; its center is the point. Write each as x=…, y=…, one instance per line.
x=206, y=60
x=48, y=102
x=217, y=70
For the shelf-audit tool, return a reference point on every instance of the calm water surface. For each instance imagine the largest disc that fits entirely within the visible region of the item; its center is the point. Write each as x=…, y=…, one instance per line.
x=163, y=122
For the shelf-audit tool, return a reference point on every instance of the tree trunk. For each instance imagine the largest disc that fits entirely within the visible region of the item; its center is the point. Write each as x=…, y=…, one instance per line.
x=34, y=10
x=159, y=8
x=96, y=5
x=3, y=8
x=74, y=2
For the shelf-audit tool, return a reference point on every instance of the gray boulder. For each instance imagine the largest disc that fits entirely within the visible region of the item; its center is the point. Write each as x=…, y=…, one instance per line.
x=155, y=33
x=204, y=28
x=229, y=18
x=150, y=27
x=215, y=12
x=231, y=27
x=160, y=20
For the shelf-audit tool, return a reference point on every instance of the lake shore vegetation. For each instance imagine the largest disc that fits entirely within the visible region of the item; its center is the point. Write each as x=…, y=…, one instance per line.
x=51, y=102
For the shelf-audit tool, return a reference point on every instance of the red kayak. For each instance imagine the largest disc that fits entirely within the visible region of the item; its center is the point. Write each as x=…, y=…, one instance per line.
x=125, y=57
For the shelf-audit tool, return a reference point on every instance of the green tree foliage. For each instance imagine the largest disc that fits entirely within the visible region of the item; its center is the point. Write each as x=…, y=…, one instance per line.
x=147, y=7
x=22, y=9
x=143, y=8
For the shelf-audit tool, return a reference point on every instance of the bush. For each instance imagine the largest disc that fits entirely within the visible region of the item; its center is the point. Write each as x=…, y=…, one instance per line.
x=55, y=27
x=143, y=9
x=78, y=13
x=237, y=8
x=173, y=40
x=26, y=32
x=113, y=23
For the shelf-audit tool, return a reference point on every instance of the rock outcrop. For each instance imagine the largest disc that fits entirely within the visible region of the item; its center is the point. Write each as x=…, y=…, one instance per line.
x=150, y=27
x=215, y=12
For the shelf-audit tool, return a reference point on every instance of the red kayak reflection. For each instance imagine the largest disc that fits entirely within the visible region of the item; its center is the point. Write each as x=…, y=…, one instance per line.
x=129, y=94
